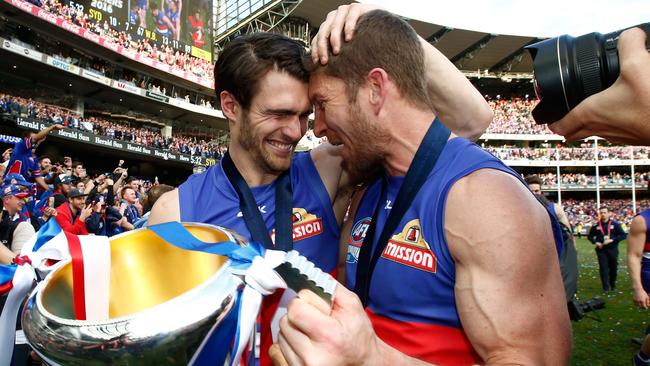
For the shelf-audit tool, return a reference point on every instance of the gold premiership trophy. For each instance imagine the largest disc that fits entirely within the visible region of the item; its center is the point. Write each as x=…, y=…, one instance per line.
x=163, y=302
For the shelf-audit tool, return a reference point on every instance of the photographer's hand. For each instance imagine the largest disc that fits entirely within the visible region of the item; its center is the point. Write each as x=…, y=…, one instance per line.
x=620, y=113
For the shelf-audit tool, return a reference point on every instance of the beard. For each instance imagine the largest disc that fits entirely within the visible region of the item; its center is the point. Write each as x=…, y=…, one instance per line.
x=364, y=162
x=256, y=147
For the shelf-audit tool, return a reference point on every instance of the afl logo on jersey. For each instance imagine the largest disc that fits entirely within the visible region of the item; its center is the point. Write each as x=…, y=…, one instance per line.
x=409, y=248
x=357, y=234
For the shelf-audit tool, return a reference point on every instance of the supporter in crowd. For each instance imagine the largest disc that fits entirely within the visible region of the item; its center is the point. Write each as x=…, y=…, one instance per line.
x=72, y=215
x=14, y=233
x=606, y=235
x=23, y=161
x=116, y=220
x=128, y=206
x=78, y=172
x=62, y=185
x=96, y=222
x=45, y=164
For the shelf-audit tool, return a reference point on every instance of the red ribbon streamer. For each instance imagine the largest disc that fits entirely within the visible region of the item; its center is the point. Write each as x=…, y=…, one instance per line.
x=78, y=285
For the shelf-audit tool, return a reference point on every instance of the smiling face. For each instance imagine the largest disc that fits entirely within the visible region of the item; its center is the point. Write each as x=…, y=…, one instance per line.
x=46, y=164
x=347, y=123
x=277, y=119
x=13, y=204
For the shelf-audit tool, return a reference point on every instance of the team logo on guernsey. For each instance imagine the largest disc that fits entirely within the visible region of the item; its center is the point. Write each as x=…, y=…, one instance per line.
x=305, y=225
x=357, y=234
x=409, y=247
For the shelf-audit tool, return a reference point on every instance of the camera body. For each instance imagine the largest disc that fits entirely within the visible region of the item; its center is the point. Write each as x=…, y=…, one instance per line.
x=567, y=70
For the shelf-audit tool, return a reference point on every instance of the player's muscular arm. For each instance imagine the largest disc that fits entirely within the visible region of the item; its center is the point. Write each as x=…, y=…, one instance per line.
x=456, y=101
x=166, y=209
x=635, y=242
x=508, y=289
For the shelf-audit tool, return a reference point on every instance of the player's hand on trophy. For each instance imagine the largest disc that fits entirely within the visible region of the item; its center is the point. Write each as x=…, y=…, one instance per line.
x=312, y=335
x=339, y=26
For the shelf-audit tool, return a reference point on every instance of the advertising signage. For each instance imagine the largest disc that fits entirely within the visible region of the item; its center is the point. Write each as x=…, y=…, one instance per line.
x=88, y=138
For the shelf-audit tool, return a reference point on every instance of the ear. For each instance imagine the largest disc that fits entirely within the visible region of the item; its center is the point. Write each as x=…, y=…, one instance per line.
x=229, y=105
x=378, y=84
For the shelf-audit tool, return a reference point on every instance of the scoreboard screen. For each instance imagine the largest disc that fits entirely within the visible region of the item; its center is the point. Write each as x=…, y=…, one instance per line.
x=185, y=25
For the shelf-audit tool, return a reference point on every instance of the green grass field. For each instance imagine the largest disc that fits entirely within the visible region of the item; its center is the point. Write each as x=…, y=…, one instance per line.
x=607, y=342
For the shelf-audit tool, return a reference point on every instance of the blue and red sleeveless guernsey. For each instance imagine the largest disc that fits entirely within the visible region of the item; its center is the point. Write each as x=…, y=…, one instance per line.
x=210, y=198
x=23, y=161
x=645, y=259
x=411, y=299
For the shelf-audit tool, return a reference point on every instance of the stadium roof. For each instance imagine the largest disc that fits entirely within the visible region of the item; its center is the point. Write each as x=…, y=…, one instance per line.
x=470, y=51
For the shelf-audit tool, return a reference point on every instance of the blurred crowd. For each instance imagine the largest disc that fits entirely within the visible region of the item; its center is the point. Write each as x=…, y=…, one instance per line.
x=569, y=153
x=72, y=56
x=583, y=180
x=583, y=213
x=35, y=189
x=113, y=128
x=513, y=116
x=166, y=54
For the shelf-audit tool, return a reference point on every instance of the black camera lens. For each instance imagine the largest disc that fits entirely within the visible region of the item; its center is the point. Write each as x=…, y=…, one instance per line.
x=569, y=69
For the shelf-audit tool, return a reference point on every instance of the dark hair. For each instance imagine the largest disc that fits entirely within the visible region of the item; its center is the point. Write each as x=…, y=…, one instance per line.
x=533, y=179
x=244, y=61
x=381, y=40
x=123, y=191
x=44, y=157
x=76, y=164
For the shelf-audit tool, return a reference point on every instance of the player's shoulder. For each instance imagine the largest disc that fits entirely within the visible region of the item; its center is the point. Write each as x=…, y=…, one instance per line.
x=326, y=156
x=638, y=222
x=166, y=209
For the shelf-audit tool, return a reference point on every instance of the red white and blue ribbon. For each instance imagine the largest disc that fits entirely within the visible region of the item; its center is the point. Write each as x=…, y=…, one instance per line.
x=53, y=244
x=252, y=263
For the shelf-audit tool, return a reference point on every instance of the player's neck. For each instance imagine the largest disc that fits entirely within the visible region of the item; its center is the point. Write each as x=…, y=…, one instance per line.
x=407, y=133
x=249, y=167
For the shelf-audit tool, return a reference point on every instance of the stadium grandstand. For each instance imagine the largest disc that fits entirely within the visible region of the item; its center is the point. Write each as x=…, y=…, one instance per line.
x=132, y=96
x=125, y=90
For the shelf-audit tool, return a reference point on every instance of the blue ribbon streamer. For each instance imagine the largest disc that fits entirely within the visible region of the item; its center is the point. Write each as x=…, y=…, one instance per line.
x=221, y=340
x=7, y=273
x=46, y=233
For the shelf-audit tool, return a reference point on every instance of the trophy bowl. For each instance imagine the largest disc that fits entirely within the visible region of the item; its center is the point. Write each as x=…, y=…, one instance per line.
x=163, y=302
